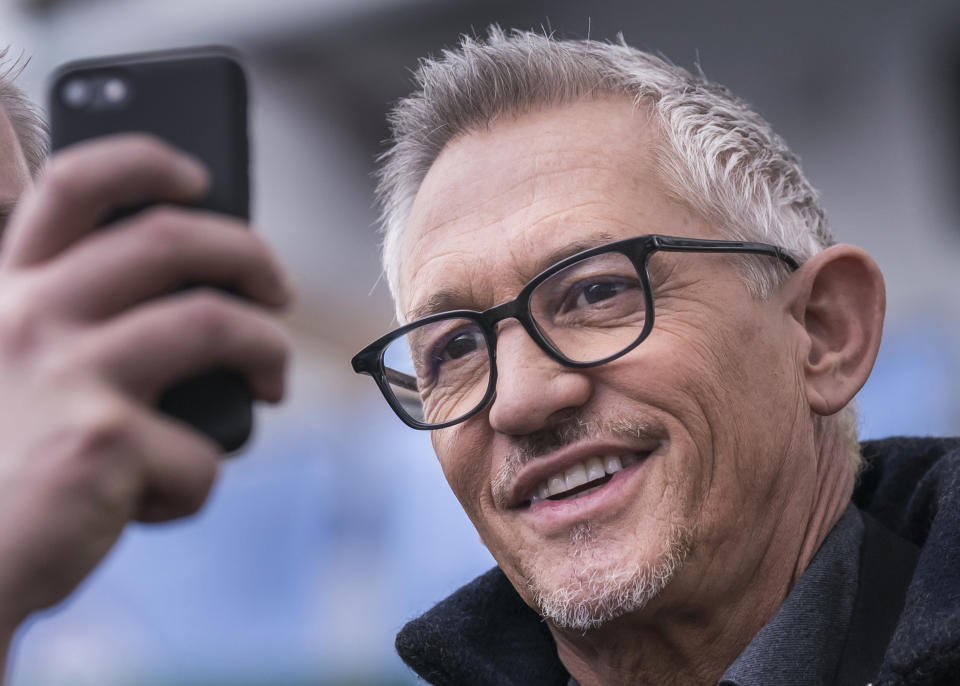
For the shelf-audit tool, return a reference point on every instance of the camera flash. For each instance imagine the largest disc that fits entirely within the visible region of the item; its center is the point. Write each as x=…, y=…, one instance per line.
x=114, y=91
x=76, y=93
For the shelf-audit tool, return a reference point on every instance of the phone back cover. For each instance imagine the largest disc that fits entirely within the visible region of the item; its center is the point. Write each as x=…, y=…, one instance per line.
x=195, y=101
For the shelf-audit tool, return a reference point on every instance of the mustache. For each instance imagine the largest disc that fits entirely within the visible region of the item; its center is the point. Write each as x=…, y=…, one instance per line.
x=570, y=430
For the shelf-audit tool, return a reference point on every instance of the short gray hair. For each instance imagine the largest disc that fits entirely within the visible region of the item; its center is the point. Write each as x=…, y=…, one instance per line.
x=25, y=118
x=716, y=155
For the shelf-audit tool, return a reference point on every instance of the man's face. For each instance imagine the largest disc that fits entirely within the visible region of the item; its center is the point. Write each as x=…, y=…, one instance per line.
x=706, y=409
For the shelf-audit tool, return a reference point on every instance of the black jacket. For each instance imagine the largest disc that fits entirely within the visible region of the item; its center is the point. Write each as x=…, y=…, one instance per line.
x=484, y=634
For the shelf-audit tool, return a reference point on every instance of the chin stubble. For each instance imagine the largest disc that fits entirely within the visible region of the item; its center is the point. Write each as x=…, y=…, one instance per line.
x=597, y=591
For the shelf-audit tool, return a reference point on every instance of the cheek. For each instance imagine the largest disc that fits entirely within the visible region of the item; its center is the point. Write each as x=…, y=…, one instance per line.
x=465, y=460
x=680, y=372
x=721, y=368
x=735, y=393
x=715, y=385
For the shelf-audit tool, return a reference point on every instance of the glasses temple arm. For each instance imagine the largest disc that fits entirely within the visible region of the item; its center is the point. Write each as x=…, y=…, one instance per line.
x=673, y=244
x=400, y=379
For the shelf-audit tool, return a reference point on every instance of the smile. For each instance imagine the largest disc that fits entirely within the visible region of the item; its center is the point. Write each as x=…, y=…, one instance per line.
x=583, y=478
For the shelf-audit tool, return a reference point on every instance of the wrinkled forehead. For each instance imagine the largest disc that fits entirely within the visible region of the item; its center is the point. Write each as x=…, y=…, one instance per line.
x=500, y=201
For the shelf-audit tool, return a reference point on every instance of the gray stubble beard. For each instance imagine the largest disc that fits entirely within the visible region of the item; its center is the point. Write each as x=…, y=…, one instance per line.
x=597, y=592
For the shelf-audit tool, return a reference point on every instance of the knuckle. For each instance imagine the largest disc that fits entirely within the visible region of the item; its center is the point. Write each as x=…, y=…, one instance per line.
x=96, y=462
x=77, y=358
x=46, y=349
x=86, y=444
x=63, y=177
x=258, y=245
x=143, y=146
x=209, y=314
x=163, y=238
x=102, y=425
x=165, y=228
x=236, y=329
x=282, y=345
x=20, y=321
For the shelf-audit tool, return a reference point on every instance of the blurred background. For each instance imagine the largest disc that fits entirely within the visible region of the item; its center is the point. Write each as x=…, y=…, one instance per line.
x=336, y=527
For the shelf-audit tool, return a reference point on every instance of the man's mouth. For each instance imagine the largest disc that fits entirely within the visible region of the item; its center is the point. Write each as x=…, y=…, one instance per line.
x=583, y=478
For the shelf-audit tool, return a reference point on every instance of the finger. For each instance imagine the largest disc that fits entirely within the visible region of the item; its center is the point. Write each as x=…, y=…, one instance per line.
x=155, y=253
x=147, y=349
x=116, y=459
x=104, y=461
x=84, y=181
x=179, y=468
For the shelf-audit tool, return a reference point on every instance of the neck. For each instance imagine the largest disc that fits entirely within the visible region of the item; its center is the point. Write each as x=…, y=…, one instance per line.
x=666, y=647
x=696, y=628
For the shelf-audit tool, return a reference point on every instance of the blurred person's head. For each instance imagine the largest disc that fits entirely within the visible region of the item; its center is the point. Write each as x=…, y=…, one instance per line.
x=23, y=139
x=659, y=477
x=24, y=118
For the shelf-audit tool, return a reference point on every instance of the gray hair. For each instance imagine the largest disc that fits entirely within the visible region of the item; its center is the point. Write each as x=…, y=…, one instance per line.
x=25, y=118
x=716, y=155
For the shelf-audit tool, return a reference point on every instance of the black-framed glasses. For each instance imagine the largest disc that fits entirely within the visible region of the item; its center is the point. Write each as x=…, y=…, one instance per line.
x=583, y=311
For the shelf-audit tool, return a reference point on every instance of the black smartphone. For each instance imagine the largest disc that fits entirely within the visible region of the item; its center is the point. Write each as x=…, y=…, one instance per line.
x=195, y=99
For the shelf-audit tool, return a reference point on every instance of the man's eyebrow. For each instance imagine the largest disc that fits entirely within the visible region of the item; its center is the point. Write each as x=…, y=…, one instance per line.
x=573, y=248
x=453, y=299
x=442, y=301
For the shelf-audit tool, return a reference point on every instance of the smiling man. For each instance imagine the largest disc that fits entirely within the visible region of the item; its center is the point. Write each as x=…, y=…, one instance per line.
x=636, y=343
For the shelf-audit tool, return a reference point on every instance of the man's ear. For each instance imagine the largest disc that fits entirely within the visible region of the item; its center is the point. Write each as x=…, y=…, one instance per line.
x=839, y=298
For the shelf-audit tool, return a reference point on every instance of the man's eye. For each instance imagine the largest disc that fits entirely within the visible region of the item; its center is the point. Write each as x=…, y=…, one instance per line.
x=464, y=344
x=458, y=345
x=594, y=292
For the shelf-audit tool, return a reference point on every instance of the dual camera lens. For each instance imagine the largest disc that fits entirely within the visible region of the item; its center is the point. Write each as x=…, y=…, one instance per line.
x=102, y=92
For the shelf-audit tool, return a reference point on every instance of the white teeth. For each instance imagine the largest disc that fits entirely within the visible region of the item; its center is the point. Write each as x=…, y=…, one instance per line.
x=576, y=476
x=585, y=472
x=556, y=484
x=612, y=464
x=595, y=469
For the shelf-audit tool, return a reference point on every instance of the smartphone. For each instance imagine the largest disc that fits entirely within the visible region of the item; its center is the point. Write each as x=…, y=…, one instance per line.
x=195, y=99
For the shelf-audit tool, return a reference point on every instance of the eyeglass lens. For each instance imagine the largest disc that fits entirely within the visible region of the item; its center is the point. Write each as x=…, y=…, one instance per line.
x=439, y=371
x=591, y=310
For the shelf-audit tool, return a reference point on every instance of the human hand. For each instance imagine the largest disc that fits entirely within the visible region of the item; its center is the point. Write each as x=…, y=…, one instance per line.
x=92, y=330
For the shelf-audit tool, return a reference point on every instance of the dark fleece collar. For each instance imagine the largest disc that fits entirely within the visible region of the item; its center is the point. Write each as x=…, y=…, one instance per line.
x=484, y=634
x=913, y=487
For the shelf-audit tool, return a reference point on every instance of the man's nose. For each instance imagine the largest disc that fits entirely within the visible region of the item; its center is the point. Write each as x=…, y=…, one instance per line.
x=531, y=386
